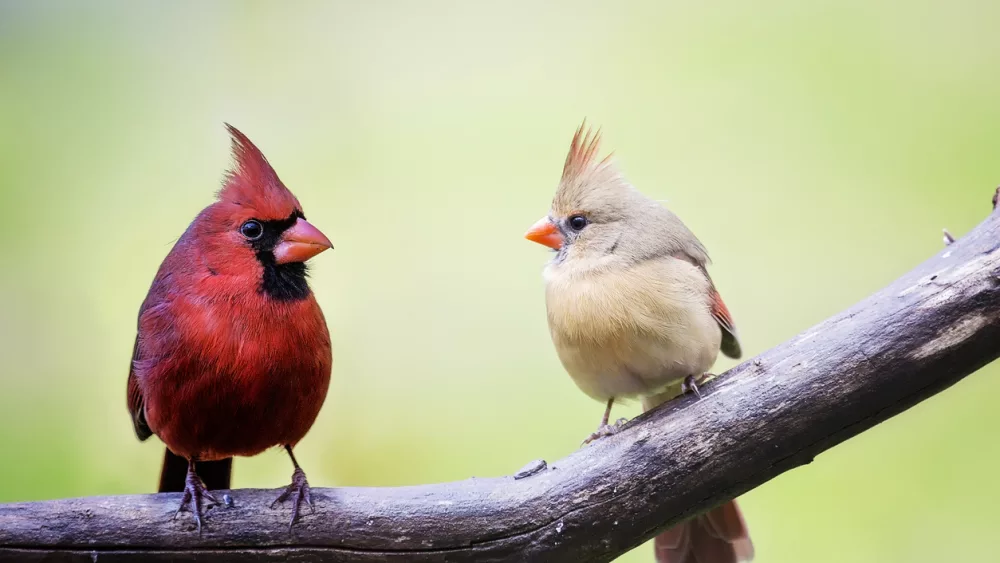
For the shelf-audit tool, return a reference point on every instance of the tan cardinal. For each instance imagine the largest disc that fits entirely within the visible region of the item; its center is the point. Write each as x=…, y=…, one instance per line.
x=633, y=313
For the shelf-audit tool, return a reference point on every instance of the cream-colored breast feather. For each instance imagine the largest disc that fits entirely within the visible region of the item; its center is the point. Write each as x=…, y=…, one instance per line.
x=629, y=330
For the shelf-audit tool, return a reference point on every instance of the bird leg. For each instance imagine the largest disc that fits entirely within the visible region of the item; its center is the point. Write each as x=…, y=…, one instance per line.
x=195, y=493
x=297, y=491
x=605, y=429
x=692, y=382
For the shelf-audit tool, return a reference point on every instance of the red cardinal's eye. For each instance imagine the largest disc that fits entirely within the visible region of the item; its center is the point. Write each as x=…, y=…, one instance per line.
x=252, y=230
x=577, y=222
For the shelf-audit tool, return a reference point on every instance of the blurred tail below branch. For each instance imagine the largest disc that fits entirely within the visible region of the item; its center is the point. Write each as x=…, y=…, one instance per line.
x=914, y=338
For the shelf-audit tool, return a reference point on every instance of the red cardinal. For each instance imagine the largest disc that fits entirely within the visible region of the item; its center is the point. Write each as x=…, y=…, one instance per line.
x=233, y=354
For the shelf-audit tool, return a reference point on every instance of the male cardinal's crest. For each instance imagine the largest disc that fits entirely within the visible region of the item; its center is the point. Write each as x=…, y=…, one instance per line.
x=253, y=182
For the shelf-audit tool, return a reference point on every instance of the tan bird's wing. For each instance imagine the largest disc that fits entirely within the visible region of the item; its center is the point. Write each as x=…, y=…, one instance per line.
x=730, y=340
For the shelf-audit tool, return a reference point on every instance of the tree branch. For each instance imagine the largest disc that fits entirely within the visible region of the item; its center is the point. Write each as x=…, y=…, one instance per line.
x=911, y=340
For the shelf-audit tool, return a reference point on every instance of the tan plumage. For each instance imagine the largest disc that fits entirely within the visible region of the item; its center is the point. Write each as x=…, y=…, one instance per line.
x=633, y=312
x=629, y=329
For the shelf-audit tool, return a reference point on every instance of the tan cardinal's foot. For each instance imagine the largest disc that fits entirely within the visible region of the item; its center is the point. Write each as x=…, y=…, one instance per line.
x=195, y=494
x=298, y=491
x=691, y=383
x=605, y=430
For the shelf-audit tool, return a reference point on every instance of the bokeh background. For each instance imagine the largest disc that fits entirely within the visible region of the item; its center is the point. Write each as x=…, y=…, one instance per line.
x=817, y=148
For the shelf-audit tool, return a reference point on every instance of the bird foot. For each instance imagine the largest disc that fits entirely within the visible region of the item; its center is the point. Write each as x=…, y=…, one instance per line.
x=195, y=493
x=691, y=383
x=297, y=491
x=605, y=430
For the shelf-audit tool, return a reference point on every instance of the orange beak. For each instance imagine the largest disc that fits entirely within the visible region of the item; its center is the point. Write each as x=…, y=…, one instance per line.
x=545, y=232
x=300, y=242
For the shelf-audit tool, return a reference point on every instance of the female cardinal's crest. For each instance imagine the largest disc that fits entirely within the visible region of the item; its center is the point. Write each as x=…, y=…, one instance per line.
x=584, y=175
x=253, y=183
x=582, y=153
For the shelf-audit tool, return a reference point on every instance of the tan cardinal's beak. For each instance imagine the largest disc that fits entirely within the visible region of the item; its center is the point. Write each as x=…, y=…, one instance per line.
x=545, y=232
x=300, y=242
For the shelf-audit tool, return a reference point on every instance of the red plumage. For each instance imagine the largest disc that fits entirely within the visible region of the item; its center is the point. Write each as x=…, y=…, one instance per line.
x=233, y=354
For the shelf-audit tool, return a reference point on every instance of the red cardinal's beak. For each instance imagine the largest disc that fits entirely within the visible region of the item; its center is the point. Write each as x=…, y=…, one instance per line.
x=300, y=242
x=545, y=232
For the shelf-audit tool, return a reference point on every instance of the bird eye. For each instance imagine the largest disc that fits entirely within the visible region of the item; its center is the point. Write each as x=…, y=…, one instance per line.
x=252, y=230
x=578, y=222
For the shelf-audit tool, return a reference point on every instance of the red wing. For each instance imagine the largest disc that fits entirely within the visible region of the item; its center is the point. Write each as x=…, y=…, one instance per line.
x=730, y=340
x=135, y=406
x=157, y=297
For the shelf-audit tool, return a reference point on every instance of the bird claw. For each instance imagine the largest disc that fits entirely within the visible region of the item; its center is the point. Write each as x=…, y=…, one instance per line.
x=691, y=383
x=605, y=430
x=195, y=493
x=297, y=491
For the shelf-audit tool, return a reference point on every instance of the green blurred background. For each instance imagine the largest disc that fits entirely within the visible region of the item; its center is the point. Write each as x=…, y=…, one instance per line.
x=816, y=148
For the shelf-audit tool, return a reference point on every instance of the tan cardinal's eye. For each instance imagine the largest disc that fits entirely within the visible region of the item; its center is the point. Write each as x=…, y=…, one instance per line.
x=252, y=230
x=577, y=222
